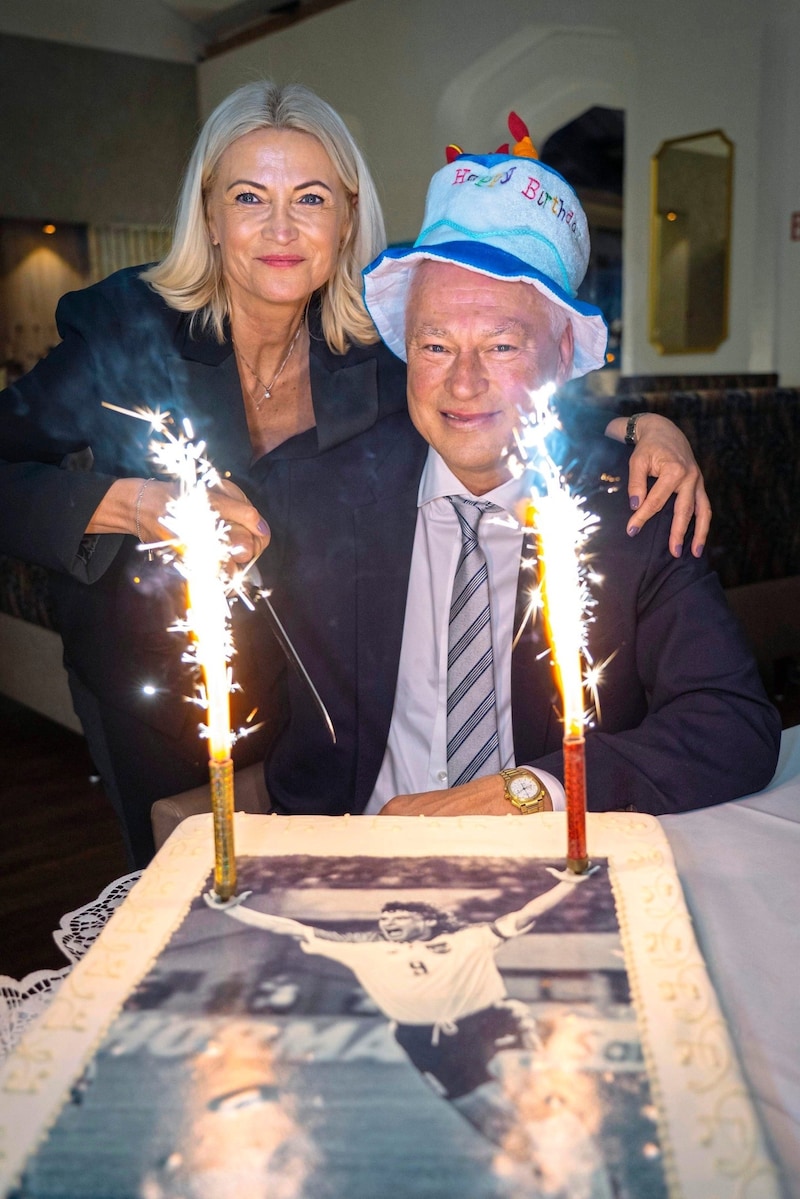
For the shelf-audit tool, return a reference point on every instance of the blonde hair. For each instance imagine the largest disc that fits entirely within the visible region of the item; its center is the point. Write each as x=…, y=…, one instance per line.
x=190, y=277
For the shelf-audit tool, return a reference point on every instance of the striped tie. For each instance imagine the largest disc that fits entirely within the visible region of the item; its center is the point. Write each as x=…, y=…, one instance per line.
x=472, y=745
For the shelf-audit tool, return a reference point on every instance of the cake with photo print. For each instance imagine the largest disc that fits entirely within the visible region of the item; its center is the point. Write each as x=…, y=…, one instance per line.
x=389, y=1006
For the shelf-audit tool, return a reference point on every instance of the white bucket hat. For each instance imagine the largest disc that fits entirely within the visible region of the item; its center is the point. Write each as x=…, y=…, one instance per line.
x=507, y=216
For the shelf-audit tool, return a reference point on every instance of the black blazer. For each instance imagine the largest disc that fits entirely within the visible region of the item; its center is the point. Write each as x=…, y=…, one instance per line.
x=685, y=721
x=123, y=344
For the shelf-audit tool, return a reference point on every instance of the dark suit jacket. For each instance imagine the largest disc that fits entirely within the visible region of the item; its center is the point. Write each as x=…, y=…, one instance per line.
x=685, y=721
x=123, y=344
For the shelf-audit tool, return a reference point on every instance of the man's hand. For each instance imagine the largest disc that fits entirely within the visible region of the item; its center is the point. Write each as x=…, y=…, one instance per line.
x=662, y=452
x=225, y=905
x=569, y=876
x=481, y=797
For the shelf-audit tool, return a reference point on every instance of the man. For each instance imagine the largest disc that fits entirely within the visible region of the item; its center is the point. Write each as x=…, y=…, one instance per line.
x=367, y=574
x=437, y=981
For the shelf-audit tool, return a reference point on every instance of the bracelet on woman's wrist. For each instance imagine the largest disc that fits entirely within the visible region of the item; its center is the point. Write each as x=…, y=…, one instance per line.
x=630, y=428
x=137, y=507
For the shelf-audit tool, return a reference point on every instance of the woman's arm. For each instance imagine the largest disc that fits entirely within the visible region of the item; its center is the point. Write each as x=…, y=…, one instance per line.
x=138, y=506
x=115, y=337
x=663, y=452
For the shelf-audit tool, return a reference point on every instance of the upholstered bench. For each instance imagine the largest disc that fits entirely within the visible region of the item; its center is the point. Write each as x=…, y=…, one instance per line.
x=250, y=795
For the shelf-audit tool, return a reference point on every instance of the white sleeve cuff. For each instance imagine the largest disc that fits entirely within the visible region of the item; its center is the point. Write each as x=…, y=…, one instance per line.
x=556, y=789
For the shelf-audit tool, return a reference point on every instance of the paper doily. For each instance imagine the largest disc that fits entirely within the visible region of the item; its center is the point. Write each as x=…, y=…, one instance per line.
x=21, y=1002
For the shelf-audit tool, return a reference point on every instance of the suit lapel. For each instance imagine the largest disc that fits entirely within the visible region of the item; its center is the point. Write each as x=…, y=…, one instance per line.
x=206, y=388
x=534, y=709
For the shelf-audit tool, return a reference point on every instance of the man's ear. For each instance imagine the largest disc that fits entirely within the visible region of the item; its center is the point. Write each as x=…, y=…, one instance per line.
x=566, y=350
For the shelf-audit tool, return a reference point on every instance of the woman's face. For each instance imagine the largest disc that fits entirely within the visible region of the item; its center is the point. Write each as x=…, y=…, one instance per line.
x=279, y=214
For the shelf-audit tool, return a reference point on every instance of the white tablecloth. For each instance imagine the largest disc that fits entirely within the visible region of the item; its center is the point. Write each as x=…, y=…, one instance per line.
x=739, y=864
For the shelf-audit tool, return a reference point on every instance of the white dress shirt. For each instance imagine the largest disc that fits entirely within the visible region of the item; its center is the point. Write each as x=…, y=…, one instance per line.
x=416, y=751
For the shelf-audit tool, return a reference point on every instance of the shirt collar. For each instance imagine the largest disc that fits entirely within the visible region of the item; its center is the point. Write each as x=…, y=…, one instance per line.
x=438, y=481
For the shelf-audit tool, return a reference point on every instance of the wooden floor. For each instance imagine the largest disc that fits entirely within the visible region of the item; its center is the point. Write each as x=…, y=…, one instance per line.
x=59, y=841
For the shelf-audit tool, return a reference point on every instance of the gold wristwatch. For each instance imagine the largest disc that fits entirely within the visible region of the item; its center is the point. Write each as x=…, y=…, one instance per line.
x=525, y=790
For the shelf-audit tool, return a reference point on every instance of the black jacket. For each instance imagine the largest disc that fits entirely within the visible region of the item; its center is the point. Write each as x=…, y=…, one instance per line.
x=123, y=344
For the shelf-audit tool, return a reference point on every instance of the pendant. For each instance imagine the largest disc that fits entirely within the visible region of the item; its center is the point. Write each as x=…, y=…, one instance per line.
x=267, y=394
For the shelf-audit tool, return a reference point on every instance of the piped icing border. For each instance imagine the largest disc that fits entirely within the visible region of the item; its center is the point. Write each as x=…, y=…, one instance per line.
x=709, y=1132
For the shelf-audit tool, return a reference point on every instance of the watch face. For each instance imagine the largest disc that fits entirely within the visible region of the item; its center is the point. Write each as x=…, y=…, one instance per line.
x=524, y=786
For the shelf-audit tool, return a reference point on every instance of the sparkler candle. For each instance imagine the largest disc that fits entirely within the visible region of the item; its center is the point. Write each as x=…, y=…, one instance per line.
x=557, y=525
x=201, y=552
x=562, y=525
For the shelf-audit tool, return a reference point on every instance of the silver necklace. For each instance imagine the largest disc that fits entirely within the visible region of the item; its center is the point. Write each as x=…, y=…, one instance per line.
x=269, y=386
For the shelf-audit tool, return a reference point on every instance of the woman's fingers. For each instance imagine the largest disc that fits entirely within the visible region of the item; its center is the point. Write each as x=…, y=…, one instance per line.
x=249, y=532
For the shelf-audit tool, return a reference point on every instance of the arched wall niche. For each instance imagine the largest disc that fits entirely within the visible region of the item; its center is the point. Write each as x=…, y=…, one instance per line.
x=550, y=77
x=547, y=75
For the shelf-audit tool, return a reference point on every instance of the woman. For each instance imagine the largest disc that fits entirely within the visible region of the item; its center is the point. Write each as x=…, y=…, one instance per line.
x=252, y=326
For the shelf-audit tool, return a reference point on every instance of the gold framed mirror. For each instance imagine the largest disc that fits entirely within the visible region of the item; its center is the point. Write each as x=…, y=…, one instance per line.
x=690, y=225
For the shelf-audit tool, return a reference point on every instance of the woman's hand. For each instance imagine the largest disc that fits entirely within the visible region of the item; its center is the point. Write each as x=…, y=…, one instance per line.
x=663, y=452
x=137, y=506
x=249, y=533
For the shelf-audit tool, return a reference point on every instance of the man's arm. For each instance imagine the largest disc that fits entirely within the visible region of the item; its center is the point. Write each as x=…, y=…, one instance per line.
x=480, y=797
x=709, y=733
x=282, y=926
x=705, y=733
x=684, y=721
x=517, y=922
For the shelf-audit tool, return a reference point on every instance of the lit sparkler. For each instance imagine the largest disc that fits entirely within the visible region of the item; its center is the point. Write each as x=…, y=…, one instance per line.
x=203, y=549
x=200, y=550
x=562, y=526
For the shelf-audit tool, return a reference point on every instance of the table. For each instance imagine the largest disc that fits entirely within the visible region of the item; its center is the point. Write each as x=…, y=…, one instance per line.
x=739, y=865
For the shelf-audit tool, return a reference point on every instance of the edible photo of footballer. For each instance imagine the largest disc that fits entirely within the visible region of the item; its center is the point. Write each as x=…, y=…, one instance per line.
x=350, y=1027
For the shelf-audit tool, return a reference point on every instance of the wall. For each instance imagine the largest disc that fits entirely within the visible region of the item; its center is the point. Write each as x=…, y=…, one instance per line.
x=35, y=271
x=91, y=136
x=776, y=171
x=409, y=76
x=144, y=27
x=696, y=69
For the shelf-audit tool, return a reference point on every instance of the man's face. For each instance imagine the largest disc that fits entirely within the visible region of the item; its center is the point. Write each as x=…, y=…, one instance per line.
x=399, y=925
x=476, y=348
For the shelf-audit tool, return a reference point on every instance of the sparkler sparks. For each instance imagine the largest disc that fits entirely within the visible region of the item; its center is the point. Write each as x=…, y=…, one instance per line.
x=158, y=421
x=200, y=550
x=563, y=527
